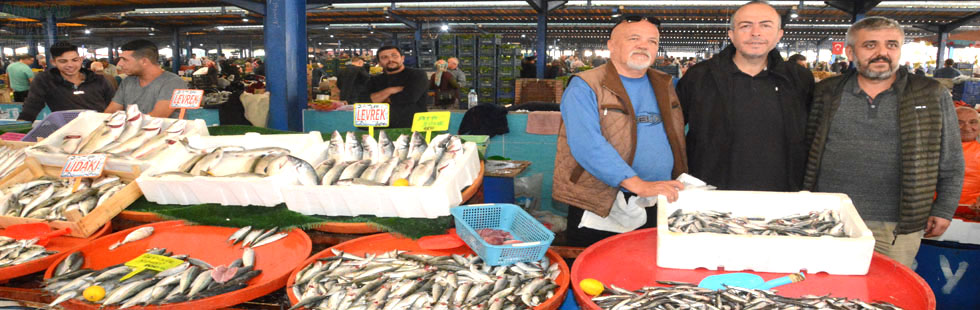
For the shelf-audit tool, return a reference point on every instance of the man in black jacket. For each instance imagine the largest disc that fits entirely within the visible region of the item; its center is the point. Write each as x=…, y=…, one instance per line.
x=747, y=109
x=404, y=89
x=352, y=80
x=66, y=86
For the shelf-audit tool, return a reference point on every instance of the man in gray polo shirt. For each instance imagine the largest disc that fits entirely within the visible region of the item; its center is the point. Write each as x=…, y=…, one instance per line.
x=147, y=85
x=888, y=139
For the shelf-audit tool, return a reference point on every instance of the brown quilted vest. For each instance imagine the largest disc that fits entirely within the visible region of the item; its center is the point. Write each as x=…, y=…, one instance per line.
x=577, y=187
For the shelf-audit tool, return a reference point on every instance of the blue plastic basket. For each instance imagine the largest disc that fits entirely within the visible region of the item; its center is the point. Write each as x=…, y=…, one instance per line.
x=50, y=124
x=510, y=218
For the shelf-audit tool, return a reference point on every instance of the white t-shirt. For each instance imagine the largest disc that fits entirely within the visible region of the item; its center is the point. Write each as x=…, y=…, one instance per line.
x=194, y=62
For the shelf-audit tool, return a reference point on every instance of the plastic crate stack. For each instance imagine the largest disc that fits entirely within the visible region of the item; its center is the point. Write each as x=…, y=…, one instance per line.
x=406, y=42
x=487, y=68
x=427, y=54
x=466, y=45
x=971, y=92
x=508, y=69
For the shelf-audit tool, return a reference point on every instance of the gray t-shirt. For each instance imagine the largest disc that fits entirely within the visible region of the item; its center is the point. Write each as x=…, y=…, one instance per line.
x=162, y=88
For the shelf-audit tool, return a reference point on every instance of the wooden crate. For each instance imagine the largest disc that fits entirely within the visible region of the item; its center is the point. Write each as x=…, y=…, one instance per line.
x=80, y=226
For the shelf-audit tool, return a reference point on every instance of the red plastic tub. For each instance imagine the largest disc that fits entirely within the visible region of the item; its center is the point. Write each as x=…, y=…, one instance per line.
x=63, y=244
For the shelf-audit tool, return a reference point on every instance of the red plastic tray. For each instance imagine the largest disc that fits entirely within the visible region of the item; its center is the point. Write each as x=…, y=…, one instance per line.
x=630, y=261
x=63, y=244
x=207, y=243
x=380, y=243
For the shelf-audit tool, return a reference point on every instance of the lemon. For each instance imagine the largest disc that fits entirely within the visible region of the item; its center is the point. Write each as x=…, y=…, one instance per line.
x=400, y=182
x=94, y=293
x=591, y=286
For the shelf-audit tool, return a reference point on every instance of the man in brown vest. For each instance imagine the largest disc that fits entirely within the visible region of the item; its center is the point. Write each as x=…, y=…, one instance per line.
x=621, y=139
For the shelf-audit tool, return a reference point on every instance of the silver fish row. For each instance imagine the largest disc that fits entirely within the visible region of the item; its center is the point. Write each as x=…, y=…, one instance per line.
x=400, y=280
x=191, y=280
x=813, y=224
x=381, y=162
x=49, y=198
x=235, y=161
x=10, y=159
x=254, y=238
x=125, y=134
x=689, y=296
x=14, y=252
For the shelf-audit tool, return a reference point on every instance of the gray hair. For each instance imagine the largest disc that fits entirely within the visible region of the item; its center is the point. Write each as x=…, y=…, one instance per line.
x=873, y=23
x=731, y=19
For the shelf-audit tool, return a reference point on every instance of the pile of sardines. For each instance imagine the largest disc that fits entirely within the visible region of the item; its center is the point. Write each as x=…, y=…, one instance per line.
x=124, y=134
x=14, y=252
x=254, y=238
x=194, y=279
x=10, y=159
x=813, y=224
x=401, y=280
x=690, y=296
x=383, y=161
x=49, y=198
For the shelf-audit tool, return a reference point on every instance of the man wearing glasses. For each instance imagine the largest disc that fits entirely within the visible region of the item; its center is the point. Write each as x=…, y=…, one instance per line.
x=747, y=109
x=621, y=138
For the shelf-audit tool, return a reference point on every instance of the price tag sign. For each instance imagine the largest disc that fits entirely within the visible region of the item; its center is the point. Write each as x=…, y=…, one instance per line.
x=184, y=99
x=431, y=121
x=153, y=262
x=371, y=115
x=84, y=166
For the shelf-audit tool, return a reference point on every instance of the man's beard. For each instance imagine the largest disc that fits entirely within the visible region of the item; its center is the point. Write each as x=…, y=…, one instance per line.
x=639, y=65
x=865, y=69
x=389, y=69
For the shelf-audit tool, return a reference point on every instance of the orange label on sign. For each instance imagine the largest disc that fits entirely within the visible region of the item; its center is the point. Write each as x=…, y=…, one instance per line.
x=84, y=166
x=186, y=99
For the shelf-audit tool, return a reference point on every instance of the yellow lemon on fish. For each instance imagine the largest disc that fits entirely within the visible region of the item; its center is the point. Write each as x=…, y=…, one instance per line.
x=400, y=182
x=94, y=293
x=591, y=286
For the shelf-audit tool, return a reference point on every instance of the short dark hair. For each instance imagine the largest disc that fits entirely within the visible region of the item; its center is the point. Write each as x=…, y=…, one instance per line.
x=61, y=47
x=25, y=56
x=388, y=47
x=948, y=62
x=796, y=58
x=143, y=49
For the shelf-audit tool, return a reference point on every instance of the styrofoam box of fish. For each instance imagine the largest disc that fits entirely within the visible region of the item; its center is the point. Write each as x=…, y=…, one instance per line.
x=849, y=255
x=231, y=191
x=86, y=123
x=389, y=201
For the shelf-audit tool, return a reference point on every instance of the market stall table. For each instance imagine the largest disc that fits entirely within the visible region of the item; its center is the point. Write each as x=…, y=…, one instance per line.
x=629, y=261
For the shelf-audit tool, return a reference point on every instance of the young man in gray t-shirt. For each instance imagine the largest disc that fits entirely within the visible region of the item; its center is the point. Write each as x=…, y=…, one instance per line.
x=147, y=85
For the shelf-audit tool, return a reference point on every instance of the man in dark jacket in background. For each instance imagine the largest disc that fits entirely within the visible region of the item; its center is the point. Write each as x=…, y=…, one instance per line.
x=352, y=80
x=747, y=109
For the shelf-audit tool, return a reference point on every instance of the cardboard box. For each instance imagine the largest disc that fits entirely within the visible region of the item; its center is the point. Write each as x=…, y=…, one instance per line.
x=783, y=254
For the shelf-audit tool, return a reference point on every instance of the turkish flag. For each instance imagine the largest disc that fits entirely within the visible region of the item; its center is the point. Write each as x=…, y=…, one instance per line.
x=837, y=48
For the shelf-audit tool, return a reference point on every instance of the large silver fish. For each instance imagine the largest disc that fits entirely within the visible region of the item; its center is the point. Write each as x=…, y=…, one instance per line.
x=372, y=170
x=423, y=174
x=70, y=143
x=105, y=134
x=150, y=129
x=386, y=170
x=352, y=149
x=324, y=166
x=372, y=150
x=135, y=235
x=453, y=149
x=295, y=168
x=403, y=170
x=134, y=122
x=416, y=146
x=436, y=147
x=335, y=150
x=161, y=141
x=401, y=147
x=385, y=145
x=333, y=174
x=355, y=169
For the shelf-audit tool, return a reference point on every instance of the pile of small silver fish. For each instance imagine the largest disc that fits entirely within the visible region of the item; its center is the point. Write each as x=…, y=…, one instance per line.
x=236, y=161
x=50, y=198
x=382, y=161
x=813, y=224
x=125, y=134
x=14, y=252
x=10, y=159
x=400, y=280
x=194, y=279
x=690, y=296
x=254, y=238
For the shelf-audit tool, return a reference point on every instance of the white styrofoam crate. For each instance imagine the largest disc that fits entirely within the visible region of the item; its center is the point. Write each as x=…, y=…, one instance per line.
x=389, y=201
x=242, y=191
x=87, y=122
x=783, y=254
x=962, y=231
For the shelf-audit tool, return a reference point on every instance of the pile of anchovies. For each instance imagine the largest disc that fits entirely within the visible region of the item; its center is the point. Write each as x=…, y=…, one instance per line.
x=689, y=296
x=14, y=252
x=813, y=224
x=400, y=280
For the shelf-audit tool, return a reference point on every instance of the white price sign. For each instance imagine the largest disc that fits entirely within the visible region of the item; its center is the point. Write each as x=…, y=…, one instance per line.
x=371, y=115
x=84, y=166
x=186, y=99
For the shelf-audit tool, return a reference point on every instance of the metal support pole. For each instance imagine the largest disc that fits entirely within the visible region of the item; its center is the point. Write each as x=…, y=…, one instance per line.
x=285, y=50
x=50, y=27
x=112, y=50
x=941, y=55
x=418, y=42
x=190, y=49
x=31, y=45
x=250, y=50
x=219, y=50
x=175, y=52
x=542, y=42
